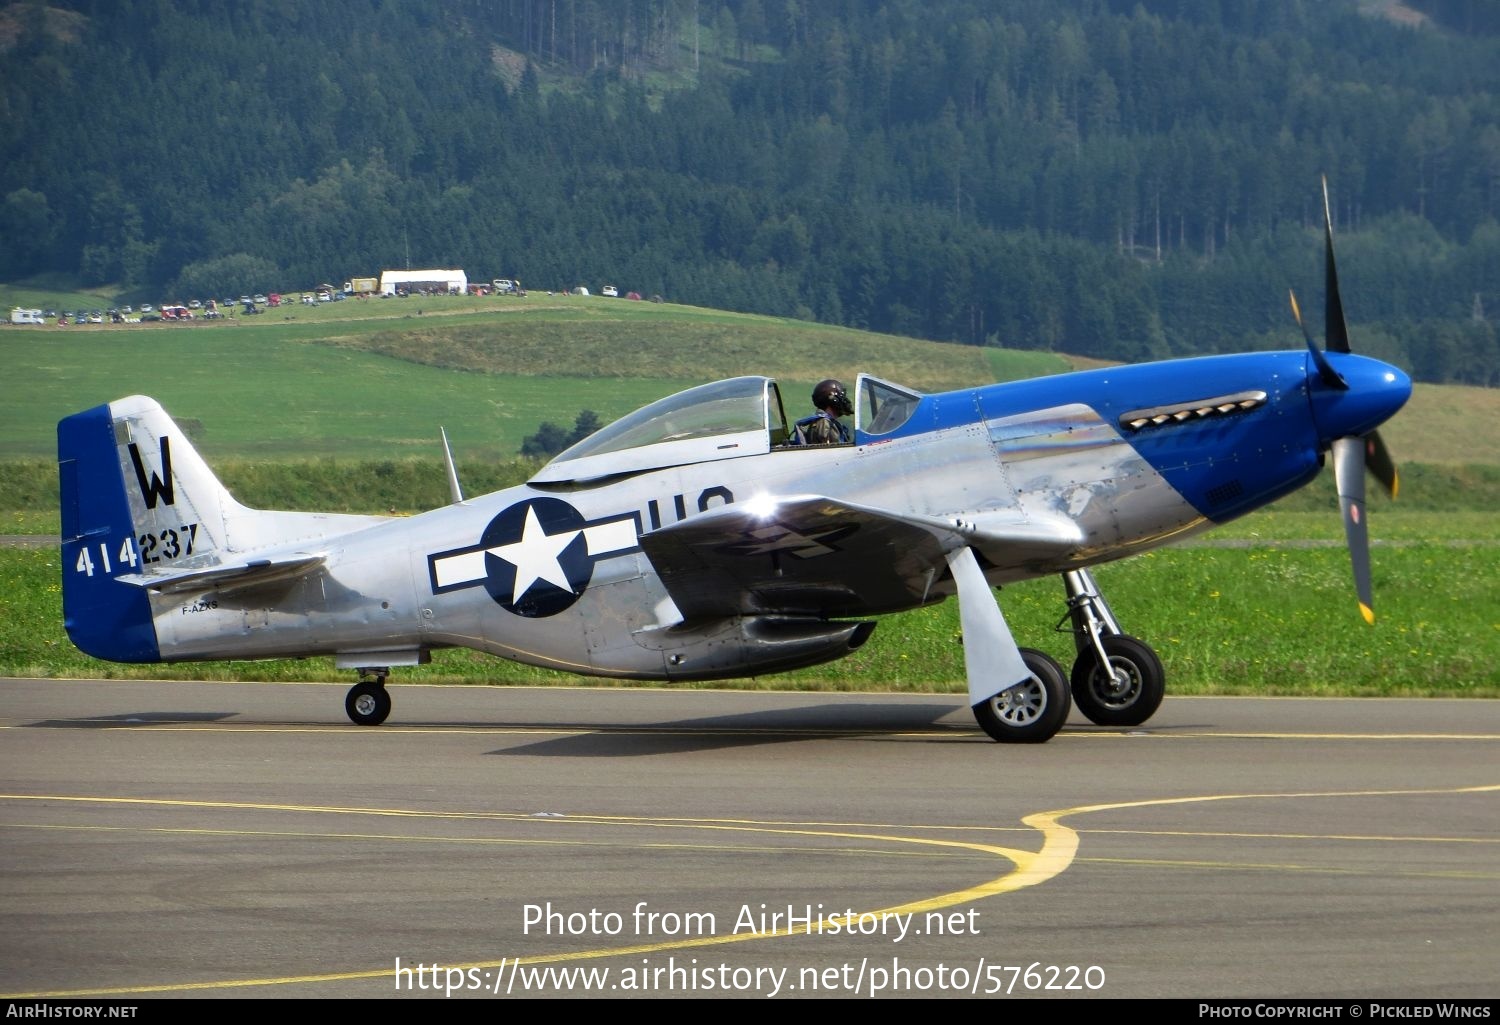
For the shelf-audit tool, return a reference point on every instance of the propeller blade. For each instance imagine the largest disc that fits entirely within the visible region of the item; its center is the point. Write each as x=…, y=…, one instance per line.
x=1349, y=476
x=1353, y=456
x=1330, y=376
x=1379, y=462
x=1297, y=315
x=1336, y=330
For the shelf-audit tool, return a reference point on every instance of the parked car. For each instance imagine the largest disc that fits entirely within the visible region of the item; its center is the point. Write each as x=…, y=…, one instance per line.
x=611, y=291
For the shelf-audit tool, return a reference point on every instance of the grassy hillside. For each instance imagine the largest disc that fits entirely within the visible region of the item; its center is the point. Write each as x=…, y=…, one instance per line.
x=339, y=406
x=374, y=379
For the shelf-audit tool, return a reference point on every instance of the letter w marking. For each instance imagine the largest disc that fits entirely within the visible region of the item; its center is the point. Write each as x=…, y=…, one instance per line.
x=154, y=488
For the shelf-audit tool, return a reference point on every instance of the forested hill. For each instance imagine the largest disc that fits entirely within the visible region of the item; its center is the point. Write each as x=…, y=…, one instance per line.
x=1118, y=178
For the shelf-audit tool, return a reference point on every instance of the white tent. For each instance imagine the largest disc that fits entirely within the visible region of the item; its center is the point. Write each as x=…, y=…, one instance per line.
x=392, y=281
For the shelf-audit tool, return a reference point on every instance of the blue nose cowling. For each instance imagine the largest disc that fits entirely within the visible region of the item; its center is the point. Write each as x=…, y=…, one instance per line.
x=1376, y=392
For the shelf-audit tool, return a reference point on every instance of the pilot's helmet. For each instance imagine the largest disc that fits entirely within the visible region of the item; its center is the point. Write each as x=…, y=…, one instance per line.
x=831, y=394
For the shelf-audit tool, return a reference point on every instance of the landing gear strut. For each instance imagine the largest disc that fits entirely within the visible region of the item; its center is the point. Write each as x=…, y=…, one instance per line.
x=368, y=703
x=1117, y=680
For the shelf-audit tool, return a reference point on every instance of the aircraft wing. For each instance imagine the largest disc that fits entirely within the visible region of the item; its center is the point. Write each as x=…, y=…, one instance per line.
x=811, y=555
x=227, y=577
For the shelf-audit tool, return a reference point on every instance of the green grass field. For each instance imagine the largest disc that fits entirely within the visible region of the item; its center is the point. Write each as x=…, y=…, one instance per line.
x=340, y=408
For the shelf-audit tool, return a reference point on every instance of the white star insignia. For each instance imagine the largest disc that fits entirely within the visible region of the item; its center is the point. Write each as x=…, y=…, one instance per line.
x=535, y=556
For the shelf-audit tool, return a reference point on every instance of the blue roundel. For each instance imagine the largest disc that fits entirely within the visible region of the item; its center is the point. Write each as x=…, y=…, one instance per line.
x=536, y=557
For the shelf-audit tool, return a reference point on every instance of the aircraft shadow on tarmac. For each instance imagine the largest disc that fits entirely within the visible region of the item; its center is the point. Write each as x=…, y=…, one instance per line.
x=583, y=739
x=770, y=726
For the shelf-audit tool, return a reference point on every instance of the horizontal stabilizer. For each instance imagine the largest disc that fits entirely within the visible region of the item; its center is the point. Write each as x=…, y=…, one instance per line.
x=226, y=579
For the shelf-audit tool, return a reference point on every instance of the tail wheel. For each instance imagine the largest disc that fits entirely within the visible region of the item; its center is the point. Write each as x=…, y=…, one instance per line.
x=368, y=704
x=1129, y=692
x=1033, y=710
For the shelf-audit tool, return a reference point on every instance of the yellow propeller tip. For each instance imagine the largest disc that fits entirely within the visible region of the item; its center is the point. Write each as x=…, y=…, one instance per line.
x=1367, y=612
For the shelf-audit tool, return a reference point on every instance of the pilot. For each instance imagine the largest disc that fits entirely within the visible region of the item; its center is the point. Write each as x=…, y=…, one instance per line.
x=824, y=427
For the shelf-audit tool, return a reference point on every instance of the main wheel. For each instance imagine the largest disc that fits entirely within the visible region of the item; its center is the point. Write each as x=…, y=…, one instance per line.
x=1127, y=696
x=1032, y=711
x=368, y=703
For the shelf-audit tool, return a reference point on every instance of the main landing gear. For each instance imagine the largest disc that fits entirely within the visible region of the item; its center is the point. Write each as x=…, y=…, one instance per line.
x=1117, y=680
x=368, y=702
x=1030, y=712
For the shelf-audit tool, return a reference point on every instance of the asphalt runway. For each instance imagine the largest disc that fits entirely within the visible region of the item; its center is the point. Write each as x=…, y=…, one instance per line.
x=246, y=841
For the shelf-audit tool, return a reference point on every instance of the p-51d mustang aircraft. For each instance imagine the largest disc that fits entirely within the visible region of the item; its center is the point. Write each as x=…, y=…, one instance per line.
x=694, y=540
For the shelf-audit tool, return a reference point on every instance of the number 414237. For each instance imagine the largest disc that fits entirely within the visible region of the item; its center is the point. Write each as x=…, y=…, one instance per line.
x=149, y=548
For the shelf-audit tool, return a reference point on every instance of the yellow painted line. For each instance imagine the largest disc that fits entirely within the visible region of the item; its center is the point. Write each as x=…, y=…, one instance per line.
x=1285, y=735
x=1383, y=871
x=1059, y=846
x=1354, y=837
x=477, y=840
x=1162, y=801
x=1059, y=850
x=503, y=816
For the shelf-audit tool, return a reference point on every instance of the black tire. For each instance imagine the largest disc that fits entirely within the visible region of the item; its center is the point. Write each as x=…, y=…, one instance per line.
x=1030, y=712
x=368, y=704
x=1128, y=702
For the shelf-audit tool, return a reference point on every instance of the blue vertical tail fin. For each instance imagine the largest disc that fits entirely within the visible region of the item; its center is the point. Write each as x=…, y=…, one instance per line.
x=136, y=501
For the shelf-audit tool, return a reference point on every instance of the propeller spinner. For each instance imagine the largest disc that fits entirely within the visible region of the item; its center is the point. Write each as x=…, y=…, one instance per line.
x=1357, y=394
